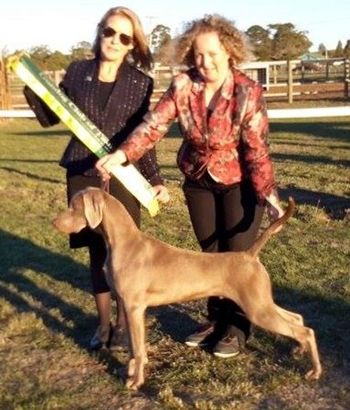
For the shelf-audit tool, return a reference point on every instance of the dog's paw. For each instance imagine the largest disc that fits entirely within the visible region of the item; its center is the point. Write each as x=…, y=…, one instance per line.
x=313, y=374
x=133, y=383
x=130, y=384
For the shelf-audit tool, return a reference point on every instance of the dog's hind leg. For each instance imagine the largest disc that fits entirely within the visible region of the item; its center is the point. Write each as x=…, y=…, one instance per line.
x=269, y=318
x=296, y=318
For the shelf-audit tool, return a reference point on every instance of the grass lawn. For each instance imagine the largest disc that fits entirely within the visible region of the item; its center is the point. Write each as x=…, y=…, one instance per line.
x=47, y=313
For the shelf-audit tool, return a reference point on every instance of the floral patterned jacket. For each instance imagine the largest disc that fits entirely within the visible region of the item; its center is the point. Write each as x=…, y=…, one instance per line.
x=231, y=144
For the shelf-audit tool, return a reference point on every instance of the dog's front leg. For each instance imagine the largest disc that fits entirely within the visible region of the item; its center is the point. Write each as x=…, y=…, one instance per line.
x=136, y=322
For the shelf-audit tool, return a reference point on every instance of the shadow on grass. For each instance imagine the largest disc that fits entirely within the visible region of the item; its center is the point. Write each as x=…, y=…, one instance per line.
x=29, y=161
x=335, y=131
x=310, y=159
x=308, y=144
x=327, y=316
x=33, y=176
x=43, y=133
x=174, y=132
x=21, y=255
x=335, y=206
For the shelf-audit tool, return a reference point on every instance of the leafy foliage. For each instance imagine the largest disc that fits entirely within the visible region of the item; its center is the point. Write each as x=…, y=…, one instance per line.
x=346, y=50
x=278, y=41
x=322, y=49
x=49, y=60
x=262, y=42
x=159, y=36
x=81, y=51
x=339, y=50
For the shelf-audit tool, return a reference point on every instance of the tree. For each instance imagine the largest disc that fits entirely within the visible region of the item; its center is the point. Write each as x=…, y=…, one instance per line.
x=81, y=51
x=346, y=50
x=57, y=61
x=47, y=60
x=40, y=56
x=261, y=42
x=278, y=41
x=339, y=50
x=288, y=43
x=322, y=49
x=158, y=37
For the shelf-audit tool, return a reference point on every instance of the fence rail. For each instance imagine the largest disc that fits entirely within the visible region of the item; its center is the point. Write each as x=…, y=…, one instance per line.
x=282, y=80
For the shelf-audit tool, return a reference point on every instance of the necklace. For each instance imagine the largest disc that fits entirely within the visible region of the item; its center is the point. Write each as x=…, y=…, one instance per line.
x=108, y=72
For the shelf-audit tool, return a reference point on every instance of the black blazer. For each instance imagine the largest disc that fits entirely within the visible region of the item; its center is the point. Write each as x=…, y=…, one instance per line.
x=127, y=104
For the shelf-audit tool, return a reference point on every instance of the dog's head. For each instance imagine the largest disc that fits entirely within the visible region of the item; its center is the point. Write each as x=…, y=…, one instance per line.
x=85, y=209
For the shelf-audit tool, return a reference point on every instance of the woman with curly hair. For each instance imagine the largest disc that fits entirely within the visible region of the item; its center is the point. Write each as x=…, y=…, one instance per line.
x=228, y=173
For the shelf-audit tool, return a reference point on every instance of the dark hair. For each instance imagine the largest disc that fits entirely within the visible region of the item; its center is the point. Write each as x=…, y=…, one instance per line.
x=233, y=40
x=141, y=55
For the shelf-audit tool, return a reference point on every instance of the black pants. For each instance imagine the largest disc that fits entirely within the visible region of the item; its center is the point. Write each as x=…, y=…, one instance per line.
x=89, y=238
x=224, y=218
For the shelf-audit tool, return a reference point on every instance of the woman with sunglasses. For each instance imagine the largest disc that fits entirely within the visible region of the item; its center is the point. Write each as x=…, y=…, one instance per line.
x=224, y=156
x=112, y=91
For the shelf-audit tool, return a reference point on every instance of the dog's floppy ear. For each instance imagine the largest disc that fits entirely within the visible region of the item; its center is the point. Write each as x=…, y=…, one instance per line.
x=93, y=207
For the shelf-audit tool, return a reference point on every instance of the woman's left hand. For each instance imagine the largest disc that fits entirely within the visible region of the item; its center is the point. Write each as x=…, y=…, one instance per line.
x=104, y=164
x=161, y=193
x=274, y=209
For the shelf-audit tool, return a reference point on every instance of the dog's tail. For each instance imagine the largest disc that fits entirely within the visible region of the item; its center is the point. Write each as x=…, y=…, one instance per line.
x=265, y=236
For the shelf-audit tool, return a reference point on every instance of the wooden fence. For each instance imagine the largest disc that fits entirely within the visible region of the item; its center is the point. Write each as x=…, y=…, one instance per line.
x=282, y=80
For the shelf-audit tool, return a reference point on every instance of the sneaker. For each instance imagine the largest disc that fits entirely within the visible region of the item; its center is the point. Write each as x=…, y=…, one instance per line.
x=119, y=339
x=201, y=336
x=101, y=338
x=227, y=347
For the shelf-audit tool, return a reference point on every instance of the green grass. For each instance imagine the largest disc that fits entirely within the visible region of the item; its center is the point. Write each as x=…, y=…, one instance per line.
x=47, y=313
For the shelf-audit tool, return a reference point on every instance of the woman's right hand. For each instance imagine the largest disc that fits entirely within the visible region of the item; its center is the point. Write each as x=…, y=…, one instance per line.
x=104, y=164
x=274, y=209
x=161, y=193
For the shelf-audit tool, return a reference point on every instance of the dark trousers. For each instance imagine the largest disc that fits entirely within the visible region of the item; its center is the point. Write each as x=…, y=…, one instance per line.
x=89, y=238
x=224, y=218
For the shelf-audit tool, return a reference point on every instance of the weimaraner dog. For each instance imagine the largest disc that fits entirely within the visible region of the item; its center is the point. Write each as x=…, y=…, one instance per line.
x=144, y=271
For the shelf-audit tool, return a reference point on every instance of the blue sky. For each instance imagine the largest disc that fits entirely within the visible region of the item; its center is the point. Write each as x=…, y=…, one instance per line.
x=63, y=23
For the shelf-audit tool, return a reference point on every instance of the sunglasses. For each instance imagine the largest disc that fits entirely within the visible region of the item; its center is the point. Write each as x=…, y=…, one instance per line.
x=108, y=32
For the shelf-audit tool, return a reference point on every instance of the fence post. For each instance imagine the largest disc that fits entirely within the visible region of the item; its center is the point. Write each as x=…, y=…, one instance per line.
x=4, y=89
x=302, y=65
x=346, y=77
x=274, y=68
x=290, y=82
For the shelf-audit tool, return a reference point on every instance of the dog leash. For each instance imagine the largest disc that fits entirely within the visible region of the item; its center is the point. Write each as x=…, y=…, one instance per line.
x=105, y=186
